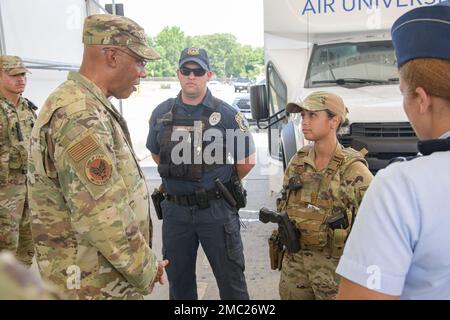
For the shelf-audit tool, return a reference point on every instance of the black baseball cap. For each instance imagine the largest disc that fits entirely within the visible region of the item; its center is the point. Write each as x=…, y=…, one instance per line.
x=197, y=55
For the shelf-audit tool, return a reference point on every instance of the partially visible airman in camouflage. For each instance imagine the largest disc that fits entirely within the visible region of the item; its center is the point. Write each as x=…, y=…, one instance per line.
x=17, y=117
x=20, y=283
x=322, y=189
x=88, y=196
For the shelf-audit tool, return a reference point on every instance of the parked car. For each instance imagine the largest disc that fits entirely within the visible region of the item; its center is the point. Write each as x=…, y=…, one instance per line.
x=242, y=84
x=214, y=85
x=243, y=105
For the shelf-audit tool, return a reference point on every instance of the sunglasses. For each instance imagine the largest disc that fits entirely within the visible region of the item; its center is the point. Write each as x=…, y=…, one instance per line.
x=141, y=63
x=198, y=72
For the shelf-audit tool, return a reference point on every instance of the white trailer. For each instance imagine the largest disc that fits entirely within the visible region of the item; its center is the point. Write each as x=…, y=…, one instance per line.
x=47, y=35
x=342, y=46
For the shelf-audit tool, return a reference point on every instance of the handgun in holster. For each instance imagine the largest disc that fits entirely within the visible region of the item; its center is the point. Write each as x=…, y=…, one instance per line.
x=276, y=251
x=286, y=238
x=157, y=198
x=338, y=224
x=338, y=220
x=288, y=234
x=239, y=192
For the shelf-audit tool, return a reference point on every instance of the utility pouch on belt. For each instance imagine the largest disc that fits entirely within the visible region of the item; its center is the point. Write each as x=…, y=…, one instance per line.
x=276, y=251
x=4, y=171
x=157, y=198
x=338, y=237
x=202, y=198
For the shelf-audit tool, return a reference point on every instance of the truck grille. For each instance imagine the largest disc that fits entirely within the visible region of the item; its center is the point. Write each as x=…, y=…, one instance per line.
x=379, y=130
x=244, y=104
x=383, y=141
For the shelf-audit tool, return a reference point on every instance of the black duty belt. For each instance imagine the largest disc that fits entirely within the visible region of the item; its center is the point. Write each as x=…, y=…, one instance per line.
x=198, y=197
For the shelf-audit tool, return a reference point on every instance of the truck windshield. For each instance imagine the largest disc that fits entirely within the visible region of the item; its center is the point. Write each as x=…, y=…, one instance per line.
x=353, y=64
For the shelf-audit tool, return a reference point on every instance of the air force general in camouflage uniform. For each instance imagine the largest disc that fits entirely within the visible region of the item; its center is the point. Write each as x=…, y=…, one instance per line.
x=339, y=188
x=16, y=121
x=88, y=196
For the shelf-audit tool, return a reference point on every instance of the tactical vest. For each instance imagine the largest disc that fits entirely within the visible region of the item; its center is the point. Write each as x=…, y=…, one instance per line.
x=178, y=125
x=312, y=205
x=14, y=139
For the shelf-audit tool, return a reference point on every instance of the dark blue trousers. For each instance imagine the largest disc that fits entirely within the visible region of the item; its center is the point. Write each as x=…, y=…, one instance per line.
x=217, y=229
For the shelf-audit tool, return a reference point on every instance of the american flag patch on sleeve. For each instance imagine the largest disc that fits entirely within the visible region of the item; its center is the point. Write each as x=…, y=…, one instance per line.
x=83, y=148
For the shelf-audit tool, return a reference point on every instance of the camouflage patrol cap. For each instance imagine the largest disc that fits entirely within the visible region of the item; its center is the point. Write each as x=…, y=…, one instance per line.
x=318, y=101
x=107, y=29
x=12, y=65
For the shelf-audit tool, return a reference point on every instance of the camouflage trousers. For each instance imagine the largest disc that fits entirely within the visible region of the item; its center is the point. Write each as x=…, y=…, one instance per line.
x=309, y=275
x=15, y=227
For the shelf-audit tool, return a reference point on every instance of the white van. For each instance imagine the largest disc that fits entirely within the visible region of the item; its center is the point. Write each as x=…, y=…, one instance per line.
x=342, y=46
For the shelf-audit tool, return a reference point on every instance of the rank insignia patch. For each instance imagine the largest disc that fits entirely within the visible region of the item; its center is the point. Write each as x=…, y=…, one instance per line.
x=98, y=169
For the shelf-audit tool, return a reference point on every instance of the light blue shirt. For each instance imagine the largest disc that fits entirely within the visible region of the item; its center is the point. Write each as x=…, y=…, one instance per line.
x=400, y=242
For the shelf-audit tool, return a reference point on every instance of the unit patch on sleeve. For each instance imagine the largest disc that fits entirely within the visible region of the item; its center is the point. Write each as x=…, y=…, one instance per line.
x=242, y=122
x=98, y=169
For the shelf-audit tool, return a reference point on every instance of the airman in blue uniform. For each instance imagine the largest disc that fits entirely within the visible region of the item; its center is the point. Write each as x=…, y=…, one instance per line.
x=398, y=247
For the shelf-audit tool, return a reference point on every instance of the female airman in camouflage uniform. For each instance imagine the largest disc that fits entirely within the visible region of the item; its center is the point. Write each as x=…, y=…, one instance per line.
x=322, y=189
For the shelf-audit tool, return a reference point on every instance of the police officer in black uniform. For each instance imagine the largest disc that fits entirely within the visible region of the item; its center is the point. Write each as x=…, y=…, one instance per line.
x=203, y=149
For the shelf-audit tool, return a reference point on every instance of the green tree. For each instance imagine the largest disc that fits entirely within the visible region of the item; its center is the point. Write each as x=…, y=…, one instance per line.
x=228, y=58
x=221, y=48
x=168, y=43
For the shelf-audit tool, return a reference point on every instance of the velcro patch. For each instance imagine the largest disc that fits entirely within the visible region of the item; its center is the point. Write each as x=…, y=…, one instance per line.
x=80, y=150
x=242, y=122
x=98, y=169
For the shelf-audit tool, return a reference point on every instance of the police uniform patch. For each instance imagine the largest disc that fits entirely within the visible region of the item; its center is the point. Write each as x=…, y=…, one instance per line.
x=193, y=51
x=83, y=148
x=214, y=118
x=242, y=122
x=98, y=169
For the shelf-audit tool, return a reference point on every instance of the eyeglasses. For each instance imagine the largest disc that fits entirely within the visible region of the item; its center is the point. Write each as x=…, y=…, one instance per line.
x=141, y=63
x=198, y=72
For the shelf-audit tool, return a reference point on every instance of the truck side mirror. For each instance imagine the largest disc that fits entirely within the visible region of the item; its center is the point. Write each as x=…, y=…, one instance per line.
x=258, y=102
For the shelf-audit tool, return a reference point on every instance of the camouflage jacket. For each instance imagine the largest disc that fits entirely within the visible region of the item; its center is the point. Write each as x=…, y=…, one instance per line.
x=88, y=197
x=339, y=188
x=18, y=282
x=15, y=131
